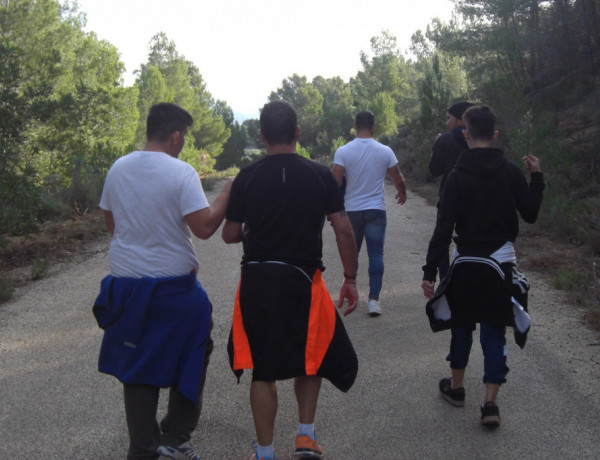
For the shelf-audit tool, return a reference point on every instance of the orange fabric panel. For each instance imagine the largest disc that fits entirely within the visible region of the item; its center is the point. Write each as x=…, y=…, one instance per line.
x=242, y=358
x=321, y=325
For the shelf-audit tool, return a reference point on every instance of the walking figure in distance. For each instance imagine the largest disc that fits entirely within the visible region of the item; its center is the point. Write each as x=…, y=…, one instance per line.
x=365, y=162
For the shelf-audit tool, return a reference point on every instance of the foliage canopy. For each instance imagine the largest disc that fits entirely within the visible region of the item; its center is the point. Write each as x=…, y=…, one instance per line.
x=65, y=114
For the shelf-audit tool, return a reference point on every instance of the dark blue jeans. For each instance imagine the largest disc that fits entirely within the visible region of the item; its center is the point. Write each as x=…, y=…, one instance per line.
x=370, y=226
x=493, y=344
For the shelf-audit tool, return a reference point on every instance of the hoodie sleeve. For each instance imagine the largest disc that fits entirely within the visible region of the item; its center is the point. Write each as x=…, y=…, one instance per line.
x=442, y=234
x=529, y=197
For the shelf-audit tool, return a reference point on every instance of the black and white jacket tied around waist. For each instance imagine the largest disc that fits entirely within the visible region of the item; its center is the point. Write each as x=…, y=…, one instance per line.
x=500, y=265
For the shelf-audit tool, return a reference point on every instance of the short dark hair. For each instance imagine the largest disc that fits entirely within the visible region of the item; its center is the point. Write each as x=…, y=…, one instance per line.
x=164, y=119
x=278, y=122
x=364, y=120
x=481, y=122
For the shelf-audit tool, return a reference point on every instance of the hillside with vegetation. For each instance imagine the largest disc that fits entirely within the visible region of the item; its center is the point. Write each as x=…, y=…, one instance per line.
x=65, y=114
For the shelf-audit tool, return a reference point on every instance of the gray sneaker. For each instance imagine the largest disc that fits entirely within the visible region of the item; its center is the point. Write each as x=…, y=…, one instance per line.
x=374, y=307
x=183, y=452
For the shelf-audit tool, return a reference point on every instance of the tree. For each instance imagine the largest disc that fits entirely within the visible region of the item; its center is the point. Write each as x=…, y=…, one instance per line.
x=152, y=88
x=434, y=94
x=537, y=45
x=384, y=109
x=233, y=150
x=252, y=127
x=169, y=77
x=225, y=112
x=308, y=103
x=386, y=71
x=338, y=111
x=80, y=117
x=290, y=90
x=19, y=197
x=590, y=33
x=443, y=82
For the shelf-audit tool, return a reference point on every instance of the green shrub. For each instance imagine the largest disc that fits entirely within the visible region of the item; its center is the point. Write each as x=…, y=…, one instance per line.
x=39, y=269
x=6, y=290
x=567, y=280
x=209, y=180
x=19, y=204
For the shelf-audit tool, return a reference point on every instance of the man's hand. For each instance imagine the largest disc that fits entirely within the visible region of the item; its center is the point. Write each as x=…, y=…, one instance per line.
x=399, y=183
x=348, y=291
x=532, y=163
x=401, y=197
x=428, y=288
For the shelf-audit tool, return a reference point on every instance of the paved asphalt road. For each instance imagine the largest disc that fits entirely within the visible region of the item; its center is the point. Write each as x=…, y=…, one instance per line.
x=55, y=405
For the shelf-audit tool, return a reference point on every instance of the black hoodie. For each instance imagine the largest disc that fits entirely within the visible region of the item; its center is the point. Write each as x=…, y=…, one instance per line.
x=480, y=202
x=446, y=151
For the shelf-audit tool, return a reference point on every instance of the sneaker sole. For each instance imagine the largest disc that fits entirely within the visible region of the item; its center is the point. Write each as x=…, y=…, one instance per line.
x=453, y=402
x=491, y=421
x=307, y=454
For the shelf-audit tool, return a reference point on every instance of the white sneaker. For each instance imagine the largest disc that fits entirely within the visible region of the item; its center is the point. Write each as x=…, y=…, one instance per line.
x=374, y=307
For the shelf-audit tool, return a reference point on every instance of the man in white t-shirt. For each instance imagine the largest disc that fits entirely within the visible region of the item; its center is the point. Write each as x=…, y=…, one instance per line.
x=155, y=314
x=365, y=162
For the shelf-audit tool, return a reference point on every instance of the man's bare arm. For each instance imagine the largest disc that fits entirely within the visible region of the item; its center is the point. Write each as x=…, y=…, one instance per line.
x=338, y=173
x=109, y=220
x=205, y=222
x=399, y=183
x=232, y=232
x=347, y=250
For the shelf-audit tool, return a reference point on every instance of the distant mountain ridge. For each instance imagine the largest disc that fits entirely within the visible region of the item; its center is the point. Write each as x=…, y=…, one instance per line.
x=241, y=117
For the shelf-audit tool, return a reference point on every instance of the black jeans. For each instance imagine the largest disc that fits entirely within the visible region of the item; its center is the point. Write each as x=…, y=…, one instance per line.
x=145, y=433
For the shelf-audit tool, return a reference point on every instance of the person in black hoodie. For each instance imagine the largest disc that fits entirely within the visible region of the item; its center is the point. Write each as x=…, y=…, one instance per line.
x=480, y=201
x=445, y=152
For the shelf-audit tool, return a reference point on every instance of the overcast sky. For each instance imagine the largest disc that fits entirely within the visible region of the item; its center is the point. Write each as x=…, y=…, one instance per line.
x=245, y=48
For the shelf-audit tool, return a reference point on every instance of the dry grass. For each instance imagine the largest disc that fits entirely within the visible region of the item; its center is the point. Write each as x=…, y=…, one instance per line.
x=26, y=258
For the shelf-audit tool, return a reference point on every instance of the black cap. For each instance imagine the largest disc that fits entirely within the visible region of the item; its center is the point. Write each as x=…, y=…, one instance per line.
x=458, y=109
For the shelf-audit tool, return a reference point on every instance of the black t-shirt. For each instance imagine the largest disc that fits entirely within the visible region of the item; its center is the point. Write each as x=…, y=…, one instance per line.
x=282, y=200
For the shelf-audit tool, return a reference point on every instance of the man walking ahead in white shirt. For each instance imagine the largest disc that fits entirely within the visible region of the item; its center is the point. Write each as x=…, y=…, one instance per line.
x=365, y=163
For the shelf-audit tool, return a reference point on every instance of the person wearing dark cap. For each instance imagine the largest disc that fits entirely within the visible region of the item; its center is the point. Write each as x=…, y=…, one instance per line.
x=446, y=149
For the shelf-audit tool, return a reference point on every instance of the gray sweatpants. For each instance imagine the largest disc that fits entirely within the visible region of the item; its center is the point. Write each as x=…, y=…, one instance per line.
x=145, y=433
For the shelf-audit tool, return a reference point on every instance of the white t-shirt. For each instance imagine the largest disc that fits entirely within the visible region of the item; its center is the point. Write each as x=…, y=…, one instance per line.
x=366, y=162
x=149, y=193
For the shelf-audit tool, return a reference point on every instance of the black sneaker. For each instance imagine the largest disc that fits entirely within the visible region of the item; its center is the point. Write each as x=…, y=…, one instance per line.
x=456, y=396
x=490, y=414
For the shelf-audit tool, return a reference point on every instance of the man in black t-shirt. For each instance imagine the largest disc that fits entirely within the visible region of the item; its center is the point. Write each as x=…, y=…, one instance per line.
x=285, y=324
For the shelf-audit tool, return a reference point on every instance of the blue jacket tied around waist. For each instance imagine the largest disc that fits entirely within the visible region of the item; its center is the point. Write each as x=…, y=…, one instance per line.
x=155, y=331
